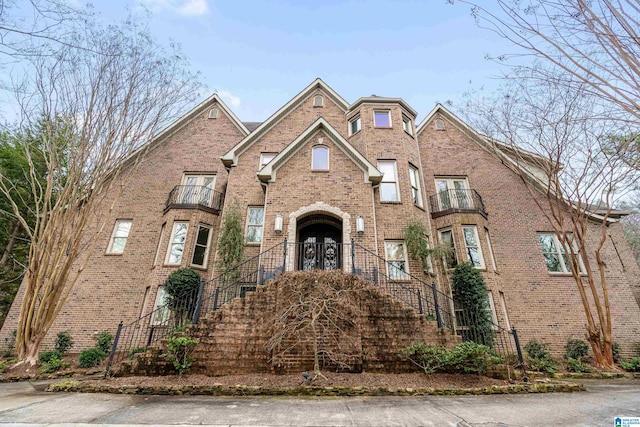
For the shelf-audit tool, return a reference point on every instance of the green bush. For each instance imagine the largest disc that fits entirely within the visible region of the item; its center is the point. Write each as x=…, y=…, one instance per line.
x=633, y=365
x=104, y=341
x=91, y=357
x=576, y=349
x=539, y=359
x=9, y=344
x=615, y=348
x=470, y=293
x=178, y=352
x=466, y=357
x=63, y=342
x=136, y=350
x=181, y=288
x=575, y=365
x=47, y=356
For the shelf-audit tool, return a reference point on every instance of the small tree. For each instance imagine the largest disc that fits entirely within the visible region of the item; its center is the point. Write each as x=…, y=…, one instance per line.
x=230, y=244
x=181, y=287
x=418, y=246
x=471, y=296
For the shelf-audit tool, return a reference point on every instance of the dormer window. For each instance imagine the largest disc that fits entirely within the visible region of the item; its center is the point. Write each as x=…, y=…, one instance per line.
x=318, y=101
x=320, y=158
x=382, y=118
x=354, y=125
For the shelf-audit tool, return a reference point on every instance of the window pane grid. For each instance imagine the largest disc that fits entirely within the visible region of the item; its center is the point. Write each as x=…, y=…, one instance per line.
x=389, y=185
x=255, y=219
x=119, y=237
x=472, y=246
x=553, y=252
x=201, y=248
x=396, y=260
x=176, y=245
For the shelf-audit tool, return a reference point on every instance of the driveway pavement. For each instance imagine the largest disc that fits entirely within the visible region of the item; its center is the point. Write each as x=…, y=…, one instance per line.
x=23, y=404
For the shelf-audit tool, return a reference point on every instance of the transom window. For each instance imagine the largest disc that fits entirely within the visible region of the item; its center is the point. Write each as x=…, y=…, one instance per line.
x=355, y=125
x=176, y=243
x=201, y=249
x=406, y=125
x=382, y=118
x=446, y=239
x=414, y=178
x=389, y=191
x=119, y=236
x=555, y=256
x=472, y=246
x=265, y=158
x=397, y=264
x=255, y=221
x=320, y=158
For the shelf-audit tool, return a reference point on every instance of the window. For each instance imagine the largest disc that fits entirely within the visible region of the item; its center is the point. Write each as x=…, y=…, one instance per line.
x=213, y=113
x=414, y=178
x=406, y=125
x=453, y=193
x=161, y=312
x=553, y=252
x=255, y=220
x=493, y=259
x=446, y=238
x=155, y=259
x=119, y=236
x=176, y=244
x=320, y=158
x=197, y=189
x=440, y=124
x=389, y=191
x=397, y=264
x=201, y=249
x=265, y=158
x=355, y=125
x=382, y=119
x=472, y=246
x=503, y=303
x=318, y=101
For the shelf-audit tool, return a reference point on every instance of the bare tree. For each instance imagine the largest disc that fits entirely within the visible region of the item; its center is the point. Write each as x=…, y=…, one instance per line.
x=96, y=104
x=588, y=45
x=318, y=312
x=574, y=169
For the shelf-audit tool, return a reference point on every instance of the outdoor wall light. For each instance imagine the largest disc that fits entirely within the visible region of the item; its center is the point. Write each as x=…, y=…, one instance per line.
x=278, y=224
x=360, y=224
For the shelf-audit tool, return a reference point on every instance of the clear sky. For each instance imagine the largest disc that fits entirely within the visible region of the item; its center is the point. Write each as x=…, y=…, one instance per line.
x=259, y=54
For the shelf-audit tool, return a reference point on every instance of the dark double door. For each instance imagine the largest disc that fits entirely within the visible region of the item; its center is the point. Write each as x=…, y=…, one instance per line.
x=320, y=248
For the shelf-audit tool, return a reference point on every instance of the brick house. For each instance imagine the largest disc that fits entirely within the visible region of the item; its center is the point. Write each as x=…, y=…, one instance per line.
x=324, y=173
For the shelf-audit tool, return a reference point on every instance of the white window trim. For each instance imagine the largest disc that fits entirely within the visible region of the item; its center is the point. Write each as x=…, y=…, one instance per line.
x=196, y=196
x=395, y=171
x=171, y=243
x=418, y=187
x=492, y=307
x=262, y=156
x=359, y=120
x=406, y=120
x=318, y=104
x=453, y=202
x=466, y=247
x=160, y=317
x=490, y=246
x=159, y=247
x=406, y=259
x=313, y=152
x=503, y=304
x=388, y=114
x=206, y=249
x=113, y=237
x=453, y=244
x=559, y=247
x=247, y=225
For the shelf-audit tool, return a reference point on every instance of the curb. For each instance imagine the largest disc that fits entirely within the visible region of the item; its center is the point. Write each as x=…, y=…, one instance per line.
x=78, y=387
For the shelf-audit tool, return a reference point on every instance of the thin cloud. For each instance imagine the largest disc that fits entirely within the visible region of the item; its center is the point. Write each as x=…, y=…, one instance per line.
x=229, y=98
x=181, y=7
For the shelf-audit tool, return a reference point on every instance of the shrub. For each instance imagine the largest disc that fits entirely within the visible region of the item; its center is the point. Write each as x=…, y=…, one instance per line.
x=470, y=293
x=91, y=357
x=178, y=352
x=104, y=341
x=135, y=351
x=181, y=287
x=47, y=356
x=9, y=344
x=615, y=348
x=539, y=359
x=429, y=358
x=633, y=365
x=576, y=349
x=466, y=357
x=63, y=342
x=51, y=361
x=575, y=365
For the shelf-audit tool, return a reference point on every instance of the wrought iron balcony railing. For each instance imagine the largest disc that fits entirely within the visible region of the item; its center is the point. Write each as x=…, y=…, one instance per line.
x=195, y=197
x=456, y=201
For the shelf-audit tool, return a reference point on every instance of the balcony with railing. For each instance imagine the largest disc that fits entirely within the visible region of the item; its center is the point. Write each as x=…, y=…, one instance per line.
x=195, y=197
x=456, y=201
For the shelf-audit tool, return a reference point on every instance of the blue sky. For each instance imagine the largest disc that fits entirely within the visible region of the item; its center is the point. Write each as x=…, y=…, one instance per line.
x=259, y=54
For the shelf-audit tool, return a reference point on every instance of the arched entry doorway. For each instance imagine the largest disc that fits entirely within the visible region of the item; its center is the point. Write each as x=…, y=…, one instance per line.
x=319, y=243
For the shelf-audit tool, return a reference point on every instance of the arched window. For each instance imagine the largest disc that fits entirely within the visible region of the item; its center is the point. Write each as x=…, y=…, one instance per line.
x=440, y=124
x=213, y=113
x=318, y=101
x=320, y=158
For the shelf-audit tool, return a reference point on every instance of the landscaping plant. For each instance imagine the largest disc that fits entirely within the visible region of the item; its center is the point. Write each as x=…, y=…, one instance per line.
x=181, y=287
x=91, y=357
x=178, y=352
x=633, y=365
x=467, y=357
x=104, y=341
x=470, y=294
x=576, y=351
x=539, y=359
x=63, y=342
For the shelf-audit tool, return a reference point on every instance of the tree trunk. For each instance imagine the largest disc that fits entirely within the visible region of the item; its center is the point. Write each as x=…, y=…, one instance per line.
x=10, y=243
x=31, y=350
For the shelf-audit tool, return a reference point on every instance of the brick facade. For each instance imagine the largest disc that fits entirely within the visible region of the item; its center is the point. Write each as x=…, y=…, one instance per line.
x=541, y=305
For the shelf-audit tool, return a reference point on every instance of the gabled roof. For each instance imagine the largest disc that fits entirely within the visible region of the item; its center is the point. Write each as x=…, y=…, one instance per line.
x=230, y=158
x=371, y=173
x=373, y=99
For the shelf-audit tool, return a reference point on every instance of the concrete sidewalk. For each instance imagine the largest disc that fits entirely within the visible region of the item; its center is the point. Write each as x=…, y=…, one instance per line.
x=22, y=404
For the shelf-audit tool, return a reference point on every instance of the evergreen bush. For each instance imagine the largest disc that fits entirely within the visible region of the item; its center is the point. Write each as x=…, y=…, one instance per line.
x=633, y=365
x=178, y=352
x=64, y=342
x=231, y=243
x=467, y=357
x=181, y=287
x=470, y=293
x=47, y=356
x=104, y=341
x=539, y=359
x=576, y=349
x=91, y=357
